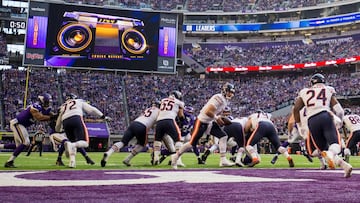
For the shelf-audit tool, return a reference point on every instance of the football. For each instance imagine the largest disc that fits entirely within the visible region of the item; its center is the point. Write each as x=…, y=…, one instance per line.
x=226, y=120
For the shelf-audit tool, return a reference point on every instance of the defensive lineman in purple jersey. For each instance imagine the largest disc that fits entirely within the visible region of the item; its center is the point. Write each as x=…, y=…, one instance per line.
x=166, y=129
x=352, y=125
x=319, y=100
x=138, y=128
x=39, y=111
x=208, y=114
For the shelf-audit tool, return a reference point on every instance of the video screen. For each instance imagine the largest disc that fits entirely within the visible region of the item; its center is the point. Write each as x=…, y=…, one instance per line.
x=64, y=35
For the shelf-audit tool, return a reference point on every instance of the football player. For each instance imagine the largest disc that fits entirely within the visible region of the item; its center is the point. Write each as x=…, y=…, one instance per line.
x=294, y=134
x=351, y=125
x=320, y=100
x=219, y=135
x=138, y=128
x=209, y=113
x=38, y=111
x=167, y=130
x=58, y=140
x=71, y=119
x=260, y=125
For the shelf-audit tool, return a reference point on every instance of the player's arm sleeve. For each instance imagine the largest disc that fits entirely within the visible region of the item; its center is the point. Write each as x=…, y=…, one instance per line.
x=337, y=108
x=38, y=115
x=92, y=110
x=58, y=125
x=299, y=104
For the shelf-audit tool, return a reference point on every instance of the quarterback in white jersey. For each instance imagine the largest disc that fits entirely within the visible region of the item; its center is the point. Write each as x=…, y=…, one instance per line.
x=167, y=130
x=71, y=117
x=138, y=128
x=260, y=125
x=210, y=112
x=351, y=125
x=319, y=100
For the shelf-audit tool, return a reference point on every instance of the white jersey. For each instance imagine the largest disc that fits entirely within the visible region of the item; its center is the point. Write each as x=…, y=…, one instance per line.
x=219, y=101
x=241, y=120
x=169, y=108
x=149, y=116
x=352, y=122
x=317, y=98
x=257, y=117
x=73, y=107
x=304, y=131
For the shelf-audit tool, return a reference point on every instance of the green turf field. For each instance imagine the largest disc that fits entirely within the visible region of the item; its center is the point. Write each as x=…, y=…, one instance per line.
x=142, y=161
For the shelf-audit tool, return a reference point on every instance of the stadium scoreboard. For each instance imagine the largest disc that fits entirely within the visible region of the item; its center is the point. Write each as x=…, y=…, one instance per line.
x=76, y=36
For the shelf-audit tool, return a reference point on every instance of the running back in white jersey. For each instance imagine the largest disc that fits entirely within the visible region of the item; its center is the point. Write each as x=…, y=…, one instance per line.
x=149, y=116
x=219, y=101
x=352, y=122
x=317, y=98
x=73, y=107
x=169, y=108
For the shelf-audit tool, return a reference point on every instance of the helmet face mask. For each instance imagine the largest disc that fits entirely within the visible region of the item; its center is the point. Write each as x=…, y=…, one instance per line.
x=156, y=103
x=228, y=90
x=347, y=111
x=189, y=109
x=45, y=100
x=176, y=94
x=317, y=78
x=70, y=96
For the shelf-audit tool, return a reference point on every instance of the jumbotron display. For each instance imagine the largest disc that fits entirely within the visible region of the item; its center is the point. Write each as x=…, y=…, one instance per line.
x=66, y=35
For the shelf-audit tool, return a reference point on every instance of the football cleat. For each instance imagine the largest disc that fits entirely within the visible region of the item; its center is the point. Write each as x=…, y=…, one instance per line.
x=89, y=161
x=328, y=157
x=205, y=155
x=347, y=170
x=254, y=162
x=308, y=157
x=72, y=164
x=162, y=158
x=103, y=162
x=225, y=163
x=9, y=164
x=126, y=162
x=200, y=161
x=174, y=159
x=273, y=160
x=59, y=162
x=291, y=162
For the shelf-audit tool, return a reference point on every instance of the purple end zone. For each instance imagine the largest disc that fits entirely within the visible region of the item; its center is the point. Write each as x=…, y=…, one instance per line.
x=230, y=185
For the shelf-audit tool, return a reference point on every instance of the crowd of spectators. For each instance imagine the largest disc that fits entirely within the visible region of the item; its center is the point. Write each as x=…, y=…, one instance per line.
x=3, y=50
x=272, y=53
x=124, y=97
x=245, y=6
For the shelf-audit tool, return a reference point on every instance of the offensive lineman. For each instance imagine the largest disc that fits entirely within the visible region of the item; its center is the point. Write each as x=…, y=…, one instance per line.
x=71, y=118
x=138, y=128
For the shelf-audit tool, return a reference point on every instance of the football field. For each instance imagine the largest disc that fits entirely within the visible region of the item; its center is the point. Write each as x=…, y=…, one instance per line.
x=38, y=179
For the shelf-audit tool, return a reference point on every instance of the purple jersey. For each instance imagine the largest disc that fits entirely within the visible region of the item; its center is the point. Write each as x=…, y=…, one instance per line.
x=25, y=117
x=187, y=124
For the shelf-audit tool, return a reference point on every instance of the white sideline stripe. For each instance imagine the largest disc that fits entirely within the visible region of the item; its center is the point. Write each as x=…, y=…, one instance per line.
x=8, y=179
